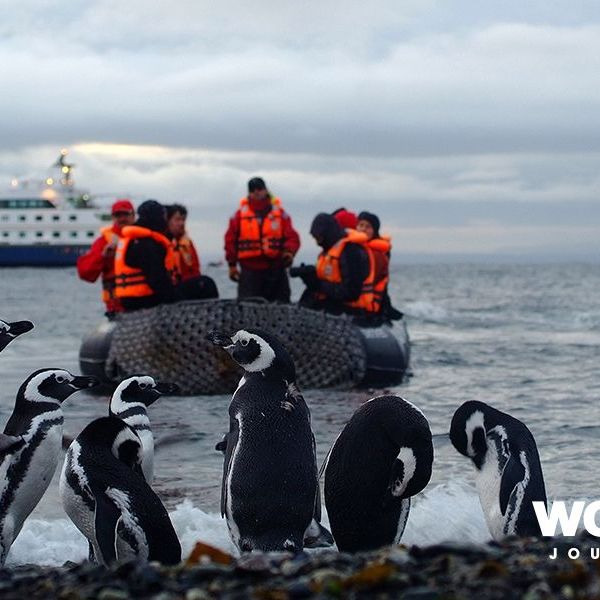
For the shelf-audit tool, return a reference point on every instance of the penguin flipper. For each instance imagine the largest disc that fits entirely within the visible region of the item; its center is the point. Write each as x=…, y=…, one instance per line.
x=106, y=521
x=396, y=483
x=232, y=440
x=512, y=475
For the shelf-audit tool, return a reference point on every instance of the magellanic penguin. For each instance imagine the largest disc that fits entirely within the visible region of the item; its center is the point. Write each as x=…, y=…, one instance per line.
x=269, y=484
x=382, y=457
x=26, y=472
x=9, y=331
x=509, y=474
x=130, y=401
x=105, y=494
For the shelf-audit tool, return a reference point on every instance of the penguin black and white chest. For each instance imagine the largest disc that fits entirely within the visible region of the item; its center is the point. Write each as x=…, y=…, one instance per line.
x=105, y=494
x=509, y=474
x=382, y=457
x=37, y=421
x=269, y=486
x=10, y=331
x=130, y=401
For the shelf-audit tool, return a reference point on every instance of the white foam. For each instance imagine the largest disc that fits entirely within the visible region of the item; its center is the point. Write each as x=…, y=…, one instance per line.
x=447, y=512
x=425, y=310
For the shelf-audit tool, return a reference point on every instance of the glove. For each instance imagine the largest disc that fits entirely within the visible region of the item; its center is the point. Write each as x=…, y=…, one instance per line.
x=234, y=274
x=287, y=258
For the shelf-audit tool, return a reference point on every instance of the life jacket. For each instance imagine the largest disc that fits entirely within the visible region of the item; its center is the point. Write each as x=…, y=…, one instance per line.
x=258, y=238
x=108, y=275
x=130, y=282
x=328, y=269
x=381, y=248
x=185, y=259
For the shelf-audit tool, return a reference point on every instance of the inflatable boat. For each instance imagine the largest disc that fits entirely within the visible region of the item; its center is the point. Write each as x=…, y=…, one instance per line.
x=168, y=342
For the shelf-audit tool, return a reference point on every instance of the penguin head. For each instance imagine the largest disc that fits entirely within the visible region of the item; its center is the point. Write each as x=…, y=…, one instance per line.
x=111, y=436
x=140, y=389
x=9, y=331
x=53, y=385
x=468, y=430
x=257, y=351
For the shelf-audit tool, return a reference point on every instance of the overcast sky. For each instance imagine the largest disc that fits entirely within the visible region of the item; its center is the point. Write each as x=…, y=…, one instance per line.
x=472, y=128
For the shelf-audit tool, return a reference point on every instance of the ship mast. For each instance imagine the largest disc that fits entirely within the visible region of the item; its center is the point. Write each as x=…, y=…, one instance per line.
x=66, y=177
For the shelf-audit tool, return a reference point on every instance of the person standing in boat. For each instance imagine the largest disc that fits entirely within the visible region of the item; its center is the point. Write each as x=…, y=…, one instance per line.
x=186, y=276
x=380, y=247
x=263, y=242
x=342, y=280
x=99, y=261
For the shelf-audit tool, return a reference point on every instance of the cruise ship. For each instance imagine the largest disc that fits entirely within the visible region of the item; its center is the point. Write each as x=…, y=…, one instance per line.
x=48, y=222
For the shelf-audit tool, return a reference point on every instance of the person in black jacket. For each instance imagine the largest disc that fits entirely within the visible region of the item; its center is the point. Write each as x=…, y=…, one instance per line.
x=353, y=265
x=148, y=255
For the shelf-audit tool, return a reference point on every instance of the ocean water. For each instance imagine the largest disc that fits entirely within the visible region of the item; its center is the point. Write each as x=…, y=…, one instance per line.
x=524, y=338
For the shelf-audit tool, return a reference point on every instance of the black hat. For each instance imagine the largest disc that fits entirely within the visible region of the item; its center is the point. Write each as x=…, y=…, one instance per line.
x=372, y=219
x=256, y=183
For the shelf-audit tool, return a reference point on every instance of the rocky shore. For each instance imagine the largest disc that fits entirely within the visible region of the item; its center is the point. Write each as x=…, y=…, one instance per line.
x=514, y=569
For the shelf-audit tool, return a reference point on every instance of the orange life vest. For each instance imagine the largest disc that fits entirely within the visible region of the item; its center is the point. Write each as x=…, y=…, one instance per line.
x=383, y=246
x=328, y=269
x=260, y=236
x=130, y=282
x=185, y=261
x=108, y=276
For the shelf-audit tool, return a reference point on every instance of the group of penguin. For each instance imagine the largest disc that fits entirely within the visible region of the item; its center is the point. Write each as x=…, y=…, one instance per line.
x=270, y=494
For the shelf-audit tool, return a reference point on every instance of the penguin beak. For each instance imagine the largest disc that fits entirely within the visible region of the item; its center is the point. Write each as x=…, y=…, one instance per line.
x=19, y=327
x=220, y=339
x=169, y=389
x=81, y=383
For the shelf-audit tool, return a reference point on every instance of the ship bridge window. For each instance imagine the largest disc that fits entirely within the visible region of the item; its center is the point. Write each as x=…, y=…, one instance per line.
x=73, y=234
x=56, y=217
x=56, y=234
x=38, y=217
x=72, y=217
x=21, y=217
x=90, y=234
x=39, y=234
x=25, y=203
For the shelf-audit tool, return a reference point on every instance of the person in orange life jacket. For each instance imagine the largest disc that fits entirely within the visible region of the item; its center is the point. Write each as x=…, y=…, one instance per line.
x=190, y=284
x=380, y=247
x=99, y=261
x=262, y=239
x=346, y=218
x=187, y=263
x=354, y=267
x=141, y=266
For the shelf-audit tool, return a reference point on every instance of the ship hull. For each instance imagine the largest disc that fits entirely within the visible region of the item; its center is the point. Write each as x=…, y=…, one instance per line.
x=59, y=255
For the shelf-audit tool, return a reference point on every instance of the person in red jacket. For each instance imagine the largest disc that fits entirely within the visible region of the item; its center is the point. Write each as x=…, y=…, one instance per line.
x=99, y=261
x=263, y=241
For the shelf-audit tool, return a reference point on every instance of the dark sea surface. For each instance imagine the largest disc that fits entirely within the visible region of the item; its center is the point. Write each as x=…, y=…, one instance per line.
x=524, y=338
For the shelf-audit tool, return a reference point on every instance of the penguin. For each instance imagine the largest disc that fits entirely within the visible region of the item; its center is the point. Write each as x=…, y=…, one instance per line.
x=508, y=470
x=130, y=401
x=9, y=331
x=381, y=458
x=104, y=492
x=270, y=486
x=34, y=434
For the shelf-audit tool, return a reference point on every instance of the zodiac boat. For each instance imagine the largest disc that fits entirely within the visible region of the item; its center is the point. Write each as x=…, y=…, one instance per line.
x=169, y=343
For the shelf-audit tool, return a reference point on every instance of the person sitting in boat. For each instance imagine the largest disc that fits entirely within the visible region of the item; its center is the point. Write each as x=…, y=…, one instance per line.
x=346, y=218
x=262, y=239
x=99, y=261
x=342, y=280
x=186, y=276
x=187, y=263
x=144, y=260
x=380, y=247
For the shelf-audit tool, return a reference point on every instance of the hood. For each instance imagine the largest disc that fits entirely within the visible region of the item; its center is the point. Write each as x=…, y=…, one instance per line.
x=326, y=230
x=151, y=214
